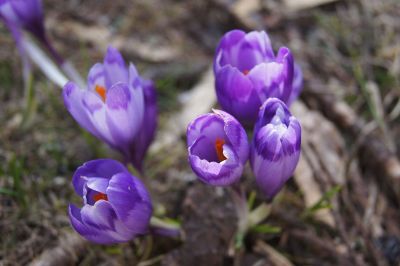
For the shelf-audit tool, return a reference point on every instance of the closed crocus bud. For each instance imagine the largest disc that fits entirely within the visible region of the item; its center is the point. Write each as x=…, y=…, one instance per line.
x=275, y=149
x=247, y=72
x=218, y=148
x=118, y=106
x=27, y=14
x=116, y=205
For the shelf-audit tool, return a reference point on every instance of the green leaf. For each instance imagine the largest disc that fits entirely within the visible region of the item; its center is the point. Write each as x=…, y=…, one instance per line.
x=266, y=229
x=251, y=200
x=239, y=239
x=323, y=203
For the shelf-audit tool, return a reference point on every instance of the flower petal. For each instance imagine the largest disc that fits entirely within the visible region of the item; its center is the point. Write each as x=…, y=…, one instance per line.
x=74, y=102
x=88, y=232
x=122, y=117
x=297, y=84
x=217, y=174
x=147, y=132
x=236, y=95
x=96, y=76
x=130, y=201
x=104, y=168
x=114, y=67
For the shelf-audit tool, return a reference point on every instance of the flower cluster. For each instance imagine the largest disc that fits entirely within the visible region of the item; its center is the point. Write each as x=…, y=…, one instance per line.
x=255, y=87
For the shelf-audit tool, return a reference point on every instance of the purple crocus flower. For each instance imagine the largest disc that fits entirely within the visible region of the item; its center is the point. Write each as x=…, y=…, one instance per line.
x=218, y=148
x=247, y=72
x=118, y=107
x=27, y=14
x=275, y=149
x=117, y=206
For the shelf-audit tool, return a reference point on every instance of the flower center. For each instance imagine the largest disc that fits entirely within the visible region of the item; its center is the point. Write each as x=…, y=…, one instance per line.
x=99, y=196
x=219, y=143
x=245, y=72
x=101, y=91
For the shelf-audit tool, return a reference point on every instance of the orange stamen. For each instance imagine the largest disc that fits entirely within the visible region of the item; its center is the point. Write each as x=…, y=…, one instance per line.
x=100, y=196
x=219, y=149
x=101, y=91
x=246, y=71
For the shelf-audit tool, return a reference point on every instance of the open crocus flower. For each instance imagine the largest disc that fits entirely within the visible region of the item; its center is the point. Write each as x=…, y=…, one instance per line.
x=247, y=72
x=118, y=107
x=218, y=148
x=275, y=149
x=117, y=206
x=27, y=14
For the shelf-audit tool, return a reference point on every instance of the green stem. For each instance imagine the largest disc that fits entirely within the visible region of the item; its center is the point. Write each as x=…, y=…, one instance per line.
x=165, y=227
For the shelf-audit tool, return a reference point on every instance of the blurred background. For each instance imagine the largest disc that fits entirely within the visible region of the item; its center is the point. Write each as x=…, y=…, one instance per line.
x=341, y=207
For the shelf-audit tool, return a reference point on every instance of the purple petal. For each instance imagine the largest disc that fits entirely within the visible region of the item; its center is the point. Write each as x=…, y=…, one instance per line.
x=195, y=128
x=100, y=216
x=94, y=186
x=243, y=51
x=96, y=76
x=147, y=132
x=104, y=168
x=285, y=56
x=114, y=67
x=88, y=232
x=236, y=95
x=123, y=117
x=236, y=135
x=217, y=174
x=131, y=202
x=74, y=102
x=204, y=148
x=297, y=84
x=227, y=48
x=268, y=80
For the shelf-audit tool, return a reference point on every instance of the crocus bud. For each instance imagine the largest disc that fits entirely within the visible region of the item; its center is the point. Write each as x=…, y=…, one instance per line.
x=26, y=14
x=247, y=72
x=113, y=106
x=116, y=205
x=275, y=149
x=218, y=148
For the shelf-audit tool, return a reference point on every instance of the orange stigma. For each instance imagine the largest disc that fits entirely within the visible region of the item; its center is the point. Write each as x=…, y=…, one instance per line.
x=101, y=91
x=245, y=72
x=99, y=196
x=219, y=150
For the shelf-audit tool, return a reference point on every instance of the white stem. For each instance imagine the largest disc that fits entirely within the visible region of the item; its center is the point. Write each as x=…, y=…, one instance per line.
x=44, y=63
x=73, y=74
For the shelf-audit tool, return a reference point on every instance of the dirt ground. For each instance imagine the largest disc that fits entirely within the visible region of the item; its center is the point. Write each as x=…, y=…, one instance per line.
x=341, y=207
